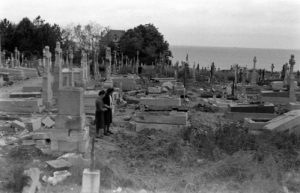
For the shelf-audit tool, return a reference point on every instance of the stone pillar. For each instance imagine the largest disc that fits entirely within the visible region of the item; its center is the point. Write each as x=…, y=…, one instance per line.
x=84, y=69
x=47, y=80
x=253, y=75
x=292, y=95
x=115, y=62
x=71, y=56
x=194, y=73
x=57, y=71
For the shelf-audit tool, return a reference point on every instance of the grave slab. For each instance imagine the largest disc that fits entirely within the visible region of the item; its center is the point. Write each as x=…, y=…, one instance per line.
x=252, y=108
x=59, y=164
x=240, y=115
x=160, y=101
x=289, y=121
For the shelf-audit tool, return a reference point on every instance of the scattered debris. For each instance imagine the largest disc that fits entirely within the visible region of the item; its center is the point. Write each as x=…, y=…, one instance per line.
x=18, y=124
x=48, y=122
x=58, y=177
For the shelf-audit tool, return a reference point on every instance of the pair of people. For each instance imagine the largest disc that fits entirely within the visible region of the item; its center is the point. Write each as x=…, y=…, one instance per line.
x=103, y=115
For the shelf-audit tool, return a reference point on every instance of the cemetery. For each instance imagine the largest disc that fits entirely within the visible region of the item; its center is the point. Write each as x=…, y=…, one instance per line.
x=168, y=120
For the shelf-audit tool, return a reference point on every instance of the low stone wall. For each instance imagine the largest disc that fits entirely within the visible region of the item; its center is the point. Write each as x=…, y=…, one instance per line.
x=21, y=105
x=240, y=116
x=289, y=121
x=14, y=73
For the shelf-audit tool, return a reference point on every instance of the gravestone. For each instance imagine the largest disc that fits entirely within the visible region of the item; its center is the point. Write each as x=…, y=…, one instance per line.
x=71, y=133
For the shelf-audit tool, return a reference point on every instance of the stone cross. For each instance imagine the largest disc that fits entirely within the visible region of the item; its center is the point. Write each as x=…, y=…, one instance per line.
x=253, y=75
x=71, y=56
x=108, y=67
x=272, y=70
x=58, y=63
x=292, y=95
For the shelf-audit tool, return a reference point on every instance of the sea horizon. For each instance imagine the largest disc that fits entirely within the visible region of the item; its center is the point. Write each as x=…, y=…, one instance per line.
x=224, y=56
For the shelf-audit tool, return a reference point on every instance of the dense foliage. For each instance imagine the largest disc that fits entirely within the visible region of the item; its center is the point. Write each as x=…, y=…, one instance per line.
x=30, y=37
x=148, y=41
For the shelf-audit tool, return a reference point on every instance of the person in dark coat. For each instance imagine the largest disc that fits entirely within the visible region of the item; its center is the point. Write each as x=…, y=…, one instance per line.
x=108, y=103
x=99, y=114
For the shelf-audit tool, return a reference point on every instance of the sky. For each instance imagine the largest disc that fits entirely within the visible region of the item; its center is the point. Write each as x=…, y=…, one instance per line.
x=228, y=23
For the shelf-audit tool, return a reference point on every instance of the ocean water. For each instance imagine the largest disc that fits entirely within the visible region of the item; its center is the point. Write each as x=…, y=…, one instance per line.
x=224, y=57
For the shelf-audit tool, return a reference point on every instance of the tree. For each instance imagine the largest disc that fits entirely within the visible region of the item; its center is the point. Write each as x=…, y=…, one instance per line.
x=30, y=37
x=148, y=41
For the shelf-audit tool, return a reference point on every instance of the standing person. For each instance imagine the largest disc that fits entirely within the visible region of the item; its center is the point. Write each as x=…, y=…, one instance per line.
x=99, y=115
x=108, y=103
